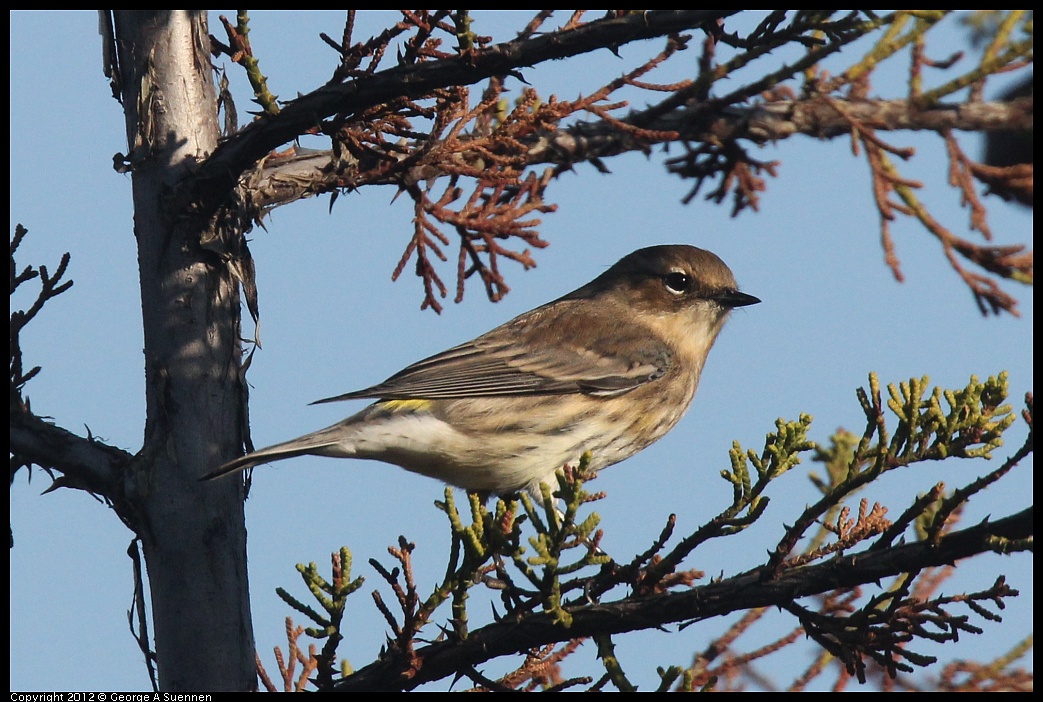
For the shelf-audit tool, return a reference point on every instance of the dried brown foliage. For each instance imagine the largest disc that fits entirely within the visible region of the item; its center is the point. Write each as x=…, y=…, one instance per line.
x=478, y=169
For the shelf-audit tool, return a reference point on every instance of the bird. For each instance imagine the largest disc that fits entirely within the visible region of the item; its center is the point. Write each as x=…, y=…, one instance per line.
x=606, y=369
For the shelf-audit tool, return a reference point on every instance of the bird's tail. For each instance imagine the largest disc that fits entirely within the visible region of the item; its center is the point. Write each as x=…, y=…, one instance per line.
x=324, y=442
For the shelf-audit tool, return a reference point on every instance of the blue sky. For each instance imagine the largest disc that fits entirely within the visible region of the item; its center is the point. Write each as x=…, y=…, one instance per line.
x=332, y=321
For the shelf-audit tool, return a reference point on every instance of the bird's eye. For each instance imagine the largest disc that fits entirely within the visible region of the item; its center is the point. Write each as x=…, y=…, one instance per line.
x=678, y=282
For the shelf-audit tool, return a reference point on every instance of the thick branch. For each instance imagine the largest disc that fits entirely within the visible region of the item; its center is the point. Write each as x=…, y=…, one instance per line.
x=85, y=463
x=820, y=118
x=289, y=178
x=746, y=591
x=221, y=171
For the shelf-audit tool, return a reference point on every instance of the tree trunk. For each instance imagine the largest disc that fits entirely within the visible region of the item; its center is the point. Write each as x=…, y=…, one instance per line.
x=193, y=534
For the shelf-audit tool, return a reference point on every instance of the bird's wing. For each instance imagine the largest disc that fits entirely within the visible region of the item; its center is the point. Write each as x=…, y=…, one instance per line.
x=530, y=358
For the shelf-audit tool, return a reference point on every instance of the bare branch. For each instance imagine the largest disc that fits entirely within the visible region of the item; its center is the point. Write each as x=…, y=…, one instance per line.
x=86, y=464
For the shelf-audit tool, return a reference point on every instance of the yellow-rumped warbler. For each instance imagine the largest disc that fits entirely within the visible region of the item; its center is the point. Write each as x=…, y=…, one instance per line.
x=608, y=368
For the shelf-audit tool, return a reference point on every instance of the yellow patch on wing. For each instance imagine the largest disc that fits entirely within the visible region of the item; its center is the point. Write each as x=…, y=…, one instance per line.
x=406, y=405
